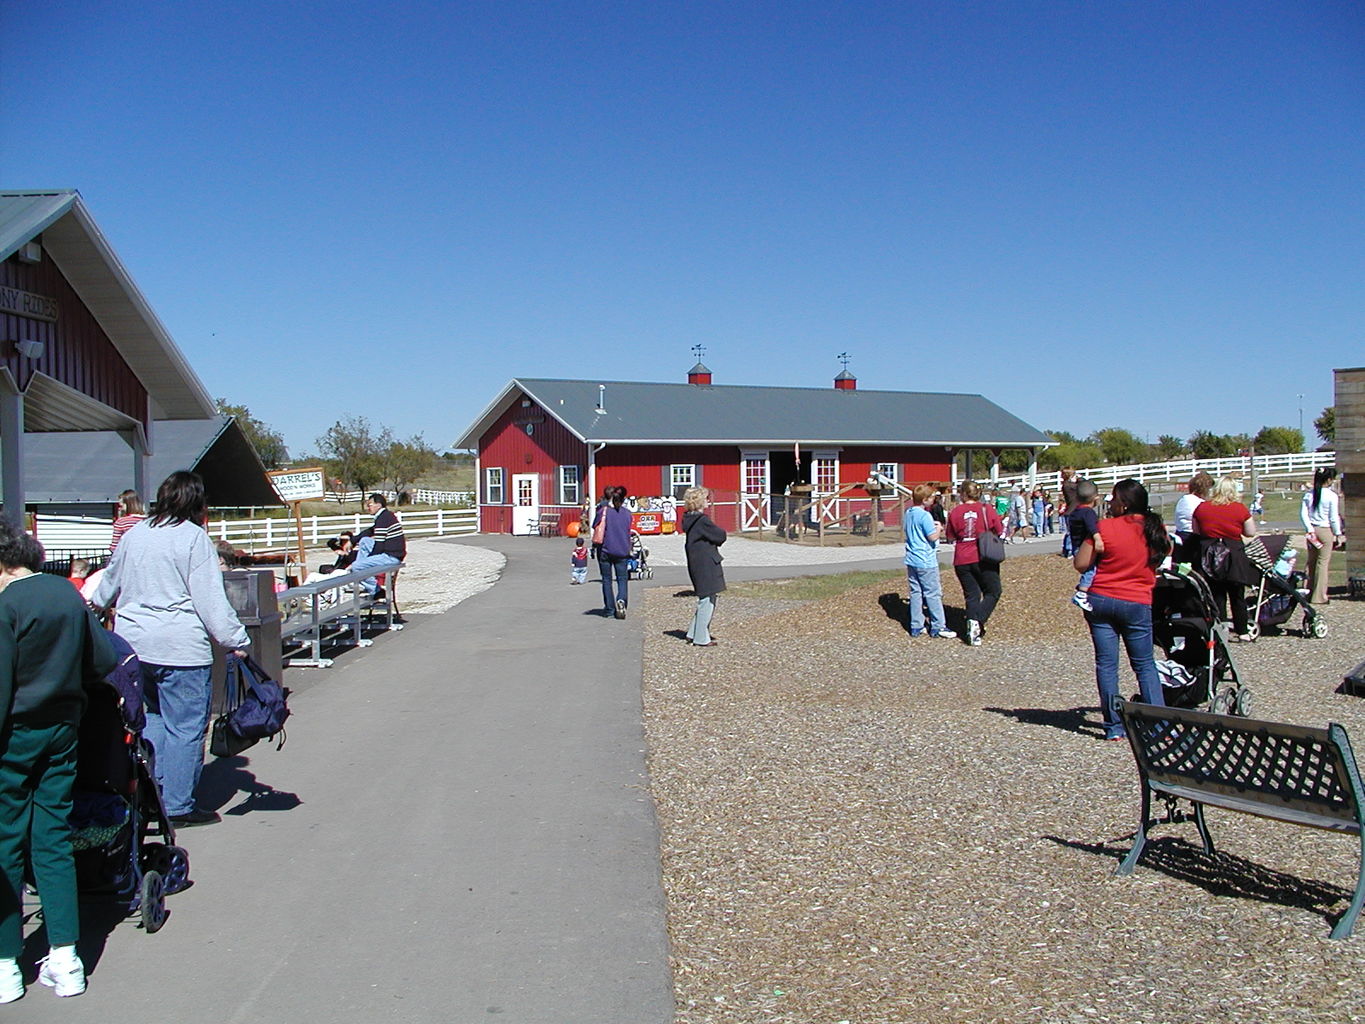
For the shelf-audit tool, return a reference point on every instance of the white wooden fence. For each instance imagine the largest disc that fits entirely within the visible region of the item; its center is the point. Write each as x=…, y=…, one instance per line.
x=420, y=495
x=1299, y=464
x=71, y=533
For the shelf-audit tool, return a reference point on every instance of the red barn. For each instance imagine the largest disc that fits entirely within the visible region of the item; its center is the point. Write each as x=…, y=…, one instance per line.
x=547, y=445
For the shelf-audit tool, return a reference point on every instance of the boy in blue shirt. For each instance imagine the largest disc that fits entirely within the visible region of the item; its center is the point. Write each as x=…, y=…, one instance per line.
x=921, y=567
x=1084, y=523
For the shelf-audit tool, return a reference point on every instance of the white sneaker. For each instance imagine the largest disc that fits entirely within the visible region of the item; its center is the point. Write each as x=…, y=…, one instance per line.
x=63, y=972
x=944, y=634
x=973, y=632
x=11, y=981
x=1082, y=601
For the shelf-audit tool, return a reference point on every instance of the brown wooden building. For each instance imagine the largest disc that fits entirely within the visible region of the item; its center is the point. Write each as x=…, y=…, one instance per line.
x=80, y=348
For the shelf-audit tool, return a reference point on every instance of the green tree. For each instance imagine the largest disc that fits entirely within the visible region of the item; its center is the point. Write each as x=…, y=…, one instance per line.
x=269, y=444
x=1326, y=424
x=1120, y=446
x=1207, y=445
x=353, y=453
x=1278, y=441
x=1081, y=454
x=1168, y=447
x=406, y=461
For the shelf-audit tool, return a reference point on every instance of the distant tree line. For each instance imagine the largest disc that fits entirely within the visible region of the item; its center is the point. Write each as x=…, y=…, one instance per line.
x=1116, y=446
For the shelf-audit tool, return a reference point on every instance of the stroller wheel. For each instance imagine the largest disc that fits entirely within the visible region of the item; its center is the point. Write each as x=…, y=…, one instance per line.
x=1243, y=702
x=172, y=863
x=153, y=895
x=1221, y=703
x=1315, y=625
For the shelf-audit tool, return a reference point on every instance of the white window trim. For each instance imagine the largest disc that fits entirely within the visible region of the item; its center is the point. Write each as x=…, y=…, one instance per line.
x=488, y=485
x=578, y=486
x=674, y=483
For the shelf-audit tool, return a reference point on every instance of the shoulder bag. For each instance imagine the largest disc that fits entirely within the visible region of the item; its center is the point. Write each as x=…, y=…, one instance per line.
x=989, y=546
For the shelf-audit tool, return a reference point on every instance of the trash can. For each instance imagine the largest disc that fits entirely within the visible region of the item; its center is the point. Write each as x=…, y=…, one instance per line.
x=251, y=592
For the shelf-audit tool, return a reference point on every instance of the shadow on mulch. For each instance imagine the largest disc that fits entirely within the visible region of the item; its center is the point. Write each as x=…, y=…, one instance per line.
x=897, y=609
x=1071, y=719
x=676, y=634
x=1224, y=874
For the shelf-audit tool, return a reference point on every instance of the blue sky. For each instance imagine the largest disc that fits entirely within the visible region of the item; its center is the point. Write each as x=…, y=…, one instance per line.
x=1148, y=215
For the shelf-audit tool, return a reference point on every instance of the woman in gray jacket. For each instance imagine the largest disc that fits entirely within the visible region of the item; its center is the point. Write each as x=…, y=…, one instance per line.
x=166, y=582
x=704, y=539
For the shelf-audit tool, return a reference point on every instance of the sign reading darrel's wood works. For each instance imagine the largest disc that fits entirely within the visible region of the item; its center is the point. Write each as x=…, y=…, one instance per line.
x=298, y=484
x=21, y=303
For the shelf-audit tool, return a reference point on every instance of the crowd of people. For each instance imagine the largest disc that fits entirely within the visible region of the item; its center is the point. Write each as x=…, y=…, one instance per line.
x=163, y=593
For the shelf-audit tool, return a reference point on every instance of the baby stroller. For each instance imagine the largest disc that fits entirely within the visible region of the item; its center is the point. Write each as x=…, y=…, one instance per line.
x=638, y=559
x=1280, y=593
x=1198, y=669
x=116, y=802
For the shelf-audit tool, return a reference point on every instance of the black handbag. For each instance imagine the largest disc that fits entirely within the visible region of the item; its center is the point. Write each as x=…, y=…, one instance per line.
x=256, y=708
x=989, y=545
x=1214, y=560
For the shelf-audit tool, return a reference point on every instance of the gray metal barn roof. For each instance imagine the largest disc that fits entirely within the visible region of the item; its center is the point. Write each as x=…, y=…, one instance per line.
x=94, y=467
x=645, y=413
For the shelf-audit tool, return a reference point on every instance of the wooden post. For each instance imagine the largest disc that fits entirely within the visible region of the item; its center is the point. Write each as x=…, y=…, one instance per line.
x=298, y=524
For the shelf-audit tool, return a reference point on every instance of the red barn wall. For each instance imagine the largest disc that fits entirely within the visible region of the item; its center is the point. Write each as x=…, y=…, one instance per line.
x=549, y=446
x=77, y=352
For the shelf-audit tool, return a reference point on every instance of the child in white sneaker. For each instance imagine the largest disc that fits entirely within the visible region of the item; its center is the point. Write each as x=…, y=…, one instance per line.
x=578, y=563
x=1085, y=523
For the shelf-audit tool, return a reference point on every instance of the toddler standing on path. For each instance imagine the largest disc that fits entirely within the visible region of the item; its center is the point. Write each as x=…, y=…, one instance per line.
x=578, y=562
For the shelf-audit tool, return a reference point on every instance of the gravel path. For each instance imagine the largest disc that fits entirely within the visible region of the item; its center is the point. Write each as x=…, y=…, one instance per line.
x=860, y=827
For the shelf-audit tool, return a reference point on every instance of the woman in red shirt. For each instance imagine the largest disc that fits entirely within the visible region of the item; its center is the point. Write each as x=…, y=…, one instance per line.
x=980, y=580
x=1126, y=551
x=1225, y=523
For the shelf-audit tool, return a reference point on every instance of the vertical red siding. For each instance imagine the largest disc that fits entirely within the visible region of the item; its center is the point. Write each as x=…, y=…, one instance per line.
x=549, y=446
x=77, y=351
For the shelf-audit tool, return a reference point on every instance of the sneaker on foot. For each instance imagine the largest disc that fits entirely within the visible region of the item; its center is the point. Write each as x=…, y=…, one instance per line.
x=62, y=971
x=944, y=634
x=11, y=981
x=1082, y=601
x=973, y=632
x=620, y=609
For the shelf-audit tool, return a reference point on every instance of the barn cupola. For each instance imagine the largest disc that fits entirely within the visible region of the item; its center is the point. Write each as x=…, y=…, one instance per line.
x=699, y=374
x=845, y=381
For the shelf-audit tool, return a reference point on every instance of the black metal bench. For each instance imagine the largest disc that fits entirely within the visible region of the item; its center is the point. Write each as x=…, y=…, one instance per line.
x=1291, y=773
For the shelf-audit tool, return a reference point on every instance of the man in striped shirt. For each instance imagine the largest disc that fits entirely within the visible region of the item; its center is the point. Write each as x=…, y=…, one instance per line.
x=381, y=545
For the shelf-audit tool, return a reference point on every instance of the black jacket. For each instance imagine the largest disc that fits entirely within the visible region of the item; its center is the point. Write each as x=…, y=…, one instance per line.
x=704, y=539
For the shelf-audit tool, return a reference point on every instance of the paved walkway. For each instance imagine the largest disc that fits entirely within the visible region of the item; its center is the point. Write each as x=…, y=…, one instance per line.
x=459, y=829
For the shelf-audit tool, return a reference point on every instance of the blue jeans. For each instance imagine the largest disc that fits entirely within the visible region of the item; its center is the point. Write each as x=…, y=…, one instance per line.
x=1087, y=578
x=177, y=700
x=618, y=566
x=925, y=589
x=700, y=630
x=1066, y=536
x=368, y=560
x=1110, y=619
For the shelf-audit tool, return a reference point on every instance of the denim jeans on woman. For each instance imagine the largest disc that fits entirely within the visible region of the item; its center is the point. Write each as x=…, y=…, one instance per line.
x=1111, y=619
x=177, y=720
x=619, y=567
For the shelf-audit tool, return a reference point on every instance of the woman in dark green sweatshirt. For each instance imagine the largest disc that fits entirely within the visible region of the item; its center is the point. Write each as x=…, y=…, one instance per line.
x=50, y=645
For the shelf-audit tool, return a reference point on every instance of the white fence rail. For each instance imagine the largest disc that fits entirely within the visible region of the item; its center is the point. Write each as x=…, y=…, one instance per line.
x=420, y=495
x=67, y=533
x=1297, y=464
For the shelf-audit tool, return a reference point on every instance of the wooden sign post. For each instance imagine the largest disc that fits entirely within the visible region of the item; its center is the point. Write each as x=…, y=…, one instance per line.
x=295, y=486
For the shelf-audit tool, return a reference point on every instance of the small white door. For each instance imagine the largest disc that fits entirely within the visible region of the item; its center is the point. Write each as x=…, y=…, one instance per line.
x=525, y=504
x=754, y=500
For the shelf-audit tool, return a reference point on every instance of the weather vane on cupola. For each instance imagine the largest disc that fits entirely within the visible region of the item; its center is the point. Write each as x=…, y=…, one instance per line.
x=698, y=350
x=843, y=358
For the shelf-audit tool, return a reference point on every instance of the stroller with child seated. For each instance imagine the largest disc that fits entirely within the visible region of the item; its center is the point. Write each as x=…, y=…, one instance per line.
x=116, y=802
x=1281, y=592
x=638, y=559
x=1198, y=670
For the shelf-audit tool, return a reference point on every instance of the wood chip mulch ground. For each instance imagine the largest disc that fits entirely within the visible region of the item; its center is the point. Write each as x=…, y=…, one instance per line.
x=860, y=827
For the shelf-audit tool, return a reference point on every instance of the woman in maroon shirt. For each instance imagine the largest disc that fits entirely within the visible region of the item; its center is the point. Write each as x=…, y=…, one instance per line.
x=1224, y=524
x=1126, y=551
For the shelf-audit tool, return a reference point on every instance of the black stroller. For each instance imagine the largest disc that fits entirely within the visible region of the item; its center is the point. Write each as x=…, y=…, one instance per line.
x=1198, y=670
x=1275, y=600
x=116, y=803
